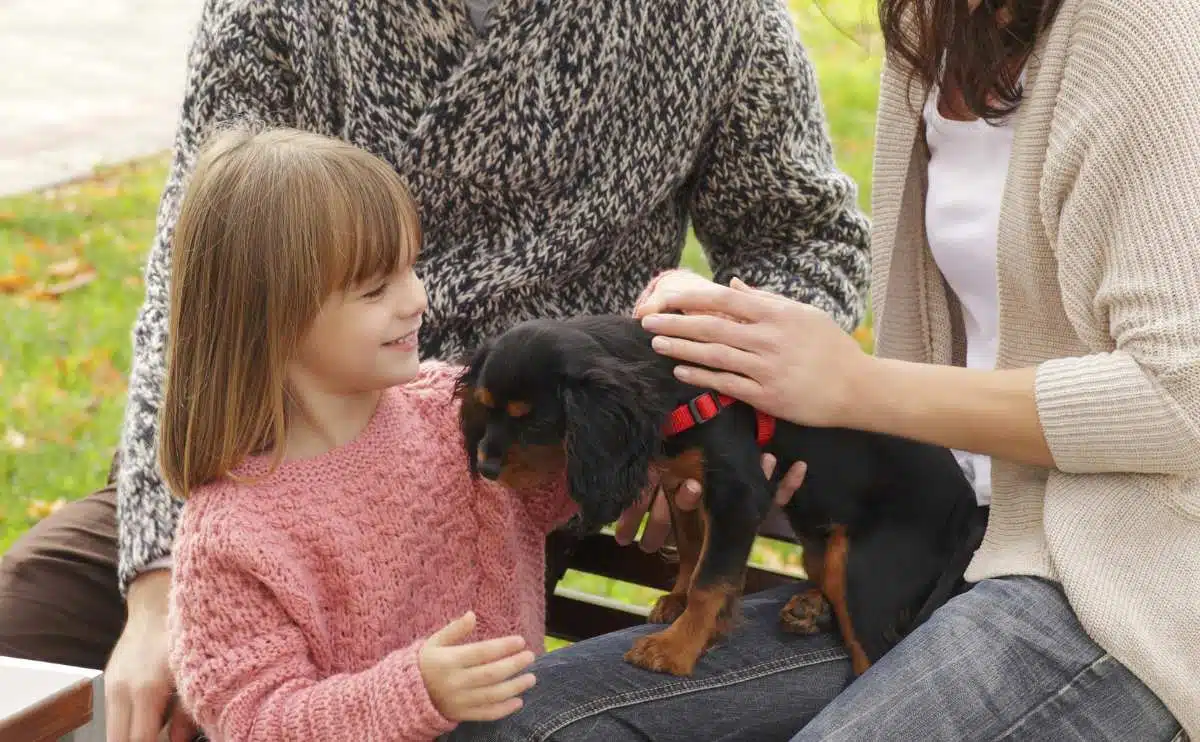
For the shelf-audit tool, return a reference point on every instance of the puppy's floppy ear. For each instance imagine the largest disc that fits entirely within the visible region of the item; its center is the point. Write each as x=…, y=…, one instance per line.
x=472, y=416
x=611, y=437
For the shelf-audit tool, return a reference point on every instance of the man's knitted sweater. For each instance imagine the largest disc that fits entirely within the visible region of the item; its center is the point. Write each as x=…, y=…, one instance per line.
x=557, y=157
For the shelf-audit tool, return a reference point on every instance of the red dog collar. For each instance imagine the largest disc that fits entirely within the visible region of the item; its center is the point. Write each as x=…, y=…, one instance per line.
x=705, y=407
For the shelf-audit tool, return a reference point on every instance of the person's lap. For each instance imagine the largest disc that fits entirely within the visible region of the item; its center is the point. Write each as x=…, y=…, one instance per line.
x=760, y=684
x=59, y=600
x=1007, y=660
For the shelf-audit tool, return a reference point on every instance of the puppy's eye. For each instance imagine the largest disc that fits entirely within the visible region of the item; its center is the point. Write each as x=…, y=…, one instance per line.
x=518, y=409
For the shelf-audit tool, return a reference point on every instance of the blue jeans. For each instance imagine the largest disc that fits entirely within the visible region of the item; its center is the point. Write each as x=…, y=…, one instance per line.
x=1006, y=660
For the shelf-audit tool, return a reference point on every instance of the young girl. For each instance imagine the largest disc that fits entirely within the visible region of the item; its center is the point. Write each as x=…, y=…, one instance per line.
x=338, y=575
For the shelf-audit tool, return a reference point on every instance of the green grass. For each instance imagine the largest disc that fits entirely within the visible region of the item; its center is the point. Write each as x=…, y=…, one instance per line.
x=63, y=360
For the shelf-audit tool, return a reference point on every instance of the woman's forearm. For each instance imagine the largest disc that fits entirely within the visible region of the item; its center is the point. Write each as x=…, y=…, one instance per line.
x=988, y=412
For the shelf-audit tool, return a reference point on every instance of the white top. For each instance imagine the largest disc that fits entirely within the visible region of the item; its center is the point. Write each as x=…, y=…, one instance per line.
x=968, y=166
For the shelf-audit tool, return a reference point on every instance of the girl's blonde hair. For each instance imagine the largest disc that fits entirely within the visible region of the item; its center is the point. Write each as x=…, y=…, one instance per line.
x=272, y=223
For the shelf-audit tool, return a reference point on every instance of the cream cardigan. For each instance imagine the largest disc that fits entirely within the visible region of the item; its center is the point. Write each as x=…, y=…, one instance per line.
x=1099, y=288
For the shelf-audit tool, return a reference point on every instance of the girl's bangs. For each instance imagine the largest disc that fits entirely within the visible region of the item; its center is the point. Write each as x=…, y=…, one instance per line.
x=379, y=229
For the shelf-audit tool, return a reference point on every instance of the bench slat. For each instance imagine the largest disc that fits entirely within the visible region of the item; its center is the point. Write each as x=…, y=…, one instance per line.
x=600, y=555
x=574, y=616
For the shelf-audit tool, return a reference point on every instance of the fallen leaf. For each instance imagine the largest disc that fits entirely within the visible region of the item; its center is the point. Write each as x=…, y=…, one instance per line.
x=66, y=268
x=55, y=290
x=22, y=262
x=39, y=509
x=12, y=282
x=16, y=440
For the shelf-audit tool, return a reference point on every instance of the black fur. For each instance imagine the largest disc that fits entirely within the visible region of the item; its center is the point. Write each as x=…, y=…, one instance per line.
x=594, y=384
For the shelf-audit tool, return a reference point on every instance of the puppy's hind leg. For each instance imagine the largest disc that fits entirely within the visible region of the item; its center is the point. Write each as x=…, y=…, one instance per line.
x=889, y=572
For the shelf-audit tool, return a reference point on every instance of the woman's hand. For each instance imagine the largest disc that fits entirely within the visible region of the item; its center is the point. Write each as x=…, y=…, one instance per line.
x=788, y=359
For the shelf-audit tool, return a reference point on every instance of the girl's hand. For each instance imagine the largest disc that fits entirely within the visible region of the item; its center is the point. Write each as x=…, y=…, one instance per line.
x=474, y=681
x=788, y=359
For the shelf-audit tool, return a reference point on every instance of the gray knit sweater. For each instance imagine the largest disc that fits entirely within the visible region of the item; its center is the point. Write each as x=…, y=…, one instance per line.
x=557, y=157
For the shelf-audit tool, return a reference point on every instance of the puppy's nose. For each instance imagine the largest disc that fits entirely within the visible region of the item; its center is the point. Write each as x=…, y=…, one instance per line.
x=490, y=468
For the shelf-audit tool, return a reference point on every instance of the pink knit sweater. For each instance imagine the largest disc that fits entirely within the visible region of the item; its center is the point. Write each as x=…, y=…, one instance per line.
x=299, y=604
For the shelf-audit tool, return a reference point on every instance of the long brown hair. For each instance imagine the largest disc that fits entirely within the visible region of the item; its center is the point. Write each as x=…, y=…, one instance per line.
x=272, y=223
x=975, y=54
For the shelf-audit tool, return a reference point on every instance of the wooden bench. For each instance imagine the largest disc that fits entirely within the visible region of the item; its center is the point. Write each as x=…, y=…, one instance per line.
x=572, y=615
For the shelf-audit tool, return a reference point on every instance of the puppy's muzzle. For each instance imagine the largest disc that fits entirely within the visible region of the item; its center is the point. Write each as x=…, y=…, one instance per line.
x=490, y=467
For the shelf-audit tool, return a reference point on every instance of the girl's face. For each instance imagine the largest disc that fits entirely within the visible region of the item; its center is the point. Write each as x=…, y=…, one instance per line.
x=364, y=339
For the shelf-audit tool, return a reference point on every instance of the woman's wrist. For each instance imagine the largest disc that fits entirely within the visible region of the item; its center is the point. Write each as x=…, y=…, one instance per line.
x=868, y=404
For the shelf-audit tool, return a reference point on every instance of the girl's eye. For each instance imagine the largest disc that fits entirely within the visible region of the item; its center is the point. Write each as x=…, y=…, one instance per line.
x=376, y=292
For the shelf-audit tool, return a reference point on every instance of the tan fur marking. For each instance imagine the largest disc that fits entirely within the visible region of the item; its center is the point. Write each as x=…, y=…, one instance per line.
x=833, y=585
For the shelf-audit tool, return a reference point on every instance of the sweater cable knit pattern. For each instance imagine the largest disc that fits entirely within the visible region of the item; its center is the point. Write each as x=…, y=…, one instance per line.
x=1099, y=289
x=299, y=603
x=557, y=158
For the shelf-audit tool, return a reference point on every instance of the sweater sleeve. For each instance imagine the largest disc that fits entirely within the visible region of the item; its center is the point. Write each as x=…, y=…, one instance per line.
x=245, y=670
x=1126, y=223
x=770, y=206
x=549, y=506
x=235, y=71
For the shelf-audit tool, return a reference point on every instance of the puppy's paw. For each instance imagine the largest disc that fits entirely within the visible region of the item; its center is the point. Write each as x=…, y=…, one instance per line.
x=806, y=613
x=661, y=653
x=668, y=608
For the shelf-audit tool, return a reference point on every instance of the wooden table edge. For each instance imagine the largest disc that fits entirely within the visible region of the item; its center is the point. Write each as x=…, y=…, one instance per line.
x=52, y=717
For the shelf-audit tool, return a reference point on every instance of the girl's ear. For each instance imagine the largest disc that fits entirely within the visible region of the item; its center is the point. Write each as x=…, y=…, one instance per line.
x=611, y=438
x=472, y=416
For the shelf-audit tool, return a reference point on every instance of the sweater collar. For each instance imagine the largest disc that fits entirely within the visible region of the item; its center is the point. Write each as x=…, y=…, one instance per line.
x=339, y=465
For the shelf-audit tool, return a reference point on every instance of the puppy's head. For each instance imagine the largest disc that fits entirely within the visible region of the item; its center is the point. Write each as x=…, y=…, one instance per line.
x=544, y=396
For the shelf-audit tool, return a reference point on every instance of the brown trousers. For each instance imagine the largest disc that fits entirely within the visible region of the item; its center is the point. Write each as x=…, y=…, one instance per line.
x=59, y=600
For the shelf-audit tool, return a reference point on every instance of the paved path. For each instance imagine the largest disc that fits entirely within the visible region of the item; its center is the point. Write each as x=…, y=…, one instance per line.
x=87, y=82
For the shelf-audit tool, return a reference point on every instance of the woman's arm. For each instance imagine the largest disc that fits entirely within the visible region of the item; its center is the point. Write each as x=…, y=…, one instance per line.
x=236, y=69
x=988, y=412
x=1124, y=215
x=791, y=360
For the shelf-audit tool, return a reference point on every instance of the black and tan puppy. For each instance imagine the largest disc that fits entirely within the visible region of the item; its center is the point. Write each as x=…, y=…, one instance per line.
x=886, y=524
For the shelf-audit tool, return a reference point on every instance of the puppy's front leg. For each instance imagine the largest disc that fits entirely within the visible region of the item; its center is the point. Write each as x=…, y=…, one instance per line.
x=736, y=499
x=688, y=527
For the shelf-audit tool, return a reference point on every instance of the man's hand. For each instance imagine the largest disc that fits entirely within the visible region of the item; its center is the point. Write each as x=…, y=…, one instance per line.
x=474, y=682
x=687, y=497
x=138, y=688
